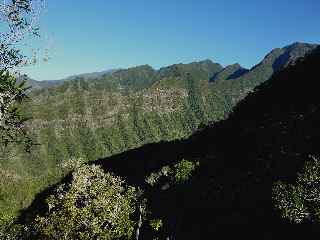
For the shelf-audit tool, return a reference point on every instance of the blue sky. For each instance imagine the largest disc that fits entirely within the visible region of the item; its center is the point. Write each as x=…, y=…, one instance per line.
x=95, y=35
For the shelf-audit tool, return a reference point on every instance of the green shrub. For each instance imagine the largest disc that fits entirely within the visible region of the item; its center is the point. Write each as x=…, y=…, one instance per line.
x=183, y=170
x=10, y=230
x=300, y=201
x=156, y=224
x=95, y=205
x=178, y=173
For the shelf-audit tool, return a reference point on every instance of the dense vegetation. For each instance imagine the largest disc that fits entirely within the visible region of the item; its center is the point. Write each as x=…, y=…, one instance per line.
x=190, y=151
x=18, y=21
x=92, y=119
x=255, y=172
x=300, y=202
x=267, y=140
x=12, y=122
x=95, y=205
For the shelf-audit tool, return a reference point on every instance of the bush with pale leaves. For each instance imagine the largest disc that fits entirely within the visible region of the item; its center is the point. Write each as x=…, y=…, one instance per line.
x=95, y=205
x=300, y=202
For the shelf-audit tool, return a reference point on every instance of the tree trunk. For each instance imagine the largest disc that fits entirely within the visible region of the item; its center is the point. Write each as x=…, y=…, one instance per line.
x=139, y=223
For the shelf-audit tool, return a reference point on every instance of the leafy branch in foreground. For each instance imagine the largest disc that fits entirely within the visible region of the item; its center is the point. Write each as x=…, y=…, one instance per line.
x=18, y=20
x=178, y=173
x=95, y=205
x=12, y=122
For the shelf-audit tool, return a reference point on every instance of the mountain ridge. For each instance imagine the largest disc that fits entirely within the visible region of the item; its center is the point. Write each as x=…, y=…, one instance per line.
x=288, y=53
x=267, y=138
x=40, y=84
x=97, y=118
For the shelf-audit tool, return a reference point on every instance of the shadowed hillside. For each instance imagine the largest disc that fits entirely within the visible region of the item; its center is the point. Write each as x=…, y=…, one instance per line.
x=122, y=110
x=268, y=137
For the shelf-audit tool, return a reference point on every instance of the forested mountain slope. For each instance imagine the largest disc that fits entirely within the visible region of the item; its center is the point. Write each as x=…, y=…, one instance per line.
x=91, y=119
x=268, y=137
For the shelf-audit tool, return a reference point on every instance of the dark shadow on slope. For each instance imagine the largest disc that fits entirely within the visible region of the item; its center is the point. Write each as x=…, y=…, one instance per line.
x=238, y=73
x=281, y=61
x=268, y=137
x=39, y=206
x=135, y=164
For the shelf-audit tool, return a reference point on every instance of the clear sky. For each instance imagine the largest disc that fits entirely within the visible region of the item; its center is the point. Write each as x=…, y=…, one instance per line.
x=95, y=35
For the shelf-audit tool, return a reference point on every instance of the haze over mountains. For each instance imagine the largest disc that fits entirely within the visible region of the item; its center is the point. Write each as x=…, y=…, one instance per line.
x=39, y=84
x=90, y=118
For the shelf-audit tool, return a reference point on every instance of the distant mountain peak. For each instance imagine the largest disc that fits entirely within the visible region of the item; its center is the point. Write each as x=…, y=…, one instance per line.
x=35, y=84
x=299, y=45
x=205, y=69
x=206, y=61
x=291, y=53
x=236, y=65
x=232, y=71
x=201, y=69
x=280, y=58
x=144, y=67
